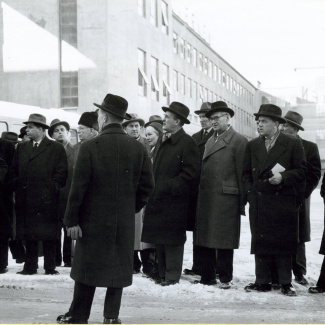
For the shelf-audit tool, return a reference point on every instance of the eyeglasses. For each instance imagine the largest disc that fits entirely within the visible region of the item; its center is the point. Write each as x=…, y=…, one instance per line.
x=216, y=118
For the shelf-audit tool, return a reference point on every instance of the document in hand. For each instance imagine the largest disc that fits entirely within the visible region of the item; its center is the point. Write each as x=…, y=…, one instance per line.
x=277, y=169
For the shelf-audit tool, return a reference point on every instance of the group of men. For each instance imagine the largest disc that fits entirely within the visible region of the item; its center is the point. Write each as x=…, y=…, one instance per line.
x=112, y=183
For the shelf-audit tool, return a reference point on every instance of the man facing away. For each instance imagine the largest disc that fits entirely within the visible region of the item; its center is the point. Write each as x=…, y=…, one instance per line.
x=111, y=182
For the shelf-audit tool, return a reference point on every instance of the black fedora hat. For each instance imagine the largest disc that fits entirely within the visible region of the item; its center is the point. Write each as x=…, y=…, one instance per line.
x=205, y=107
x=219, y=106
x=37, y=119
x=270, y=110
x=180, y=110
x=134, y=118
x=115, y=105
x=56, y=122
x=154, y=118
x=23, y=132
x=294, y=118
x=10, y=136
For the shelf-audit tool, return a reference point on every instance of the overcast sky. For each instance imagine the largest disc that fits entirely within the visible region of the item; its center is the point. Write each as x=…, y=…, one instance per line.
x=266, y=39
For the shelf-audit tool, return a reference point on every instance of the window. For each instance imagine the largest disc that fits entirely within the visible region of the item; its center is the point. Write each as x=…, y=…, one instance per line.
x=164, y=18
x=182, y=48
x=206, y=65
x=153, y=12
x=166, y=89
x=219, y=76
x=214, y=98
x=227, y=81
x=175, y=80
x=154, y=79
x=194, y=57
x=215, y=72
x=201, y=97
x=223, y=78
x=181, y=79
x=231, y=84
x=142, y=77
x=188, y=87
x=188, y=52
x=235, y=86
x=201, y=61
x=210, y=69
x=241, y=90
x=175, y=43
x=194, y=90
x=141, y=8
x=210, y=96
x=205, y=94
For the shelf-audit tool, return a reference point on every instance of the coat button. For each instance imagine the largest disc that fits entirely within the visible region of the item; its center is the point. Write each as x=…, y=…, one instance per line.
x=261, y=236
x=253, y=169
x=259, y=193
x=276, y=193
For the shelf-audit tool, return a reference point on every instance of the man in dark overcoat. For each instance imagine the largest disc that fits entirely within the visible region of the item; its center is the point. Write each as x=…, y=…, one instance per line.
x=111, y=182
x=200, y=138
x=40, y=169
x=273, y=173
x=176, y=165
x=293, y=126
x=7, y=150
x=60, y=132
x=221, y=198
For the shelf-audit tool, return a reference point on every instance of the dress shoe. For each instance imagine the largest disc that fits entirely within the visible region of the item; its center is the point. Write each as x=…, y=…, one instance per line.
x=27, y=272
x=209, y=283
x=225, y=285
x=71, y=320
x=261, y=287
x=316, y=289
x=288, y=290
x=3, y=270
x=51, y=272
x=191, y=272
x=111, y=321
x=276, y=286
x=62, y=316
x=159, y=280
x=168, y=283
x=301, y=280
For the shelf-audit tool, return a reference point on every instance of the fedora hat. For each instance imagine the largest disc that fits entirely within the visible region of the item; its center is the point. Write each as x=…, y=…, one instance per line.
x=10, y=136
x=22, y=132
x=180, y=110
x=205, y=107
x=154, y=118
x=56, y=122
x=270, y=110
x=37, y=119
x=294, y=118
x=115, y=105
x=89, y=119
x=157, y=126
x=134, y=118
x=219, y=106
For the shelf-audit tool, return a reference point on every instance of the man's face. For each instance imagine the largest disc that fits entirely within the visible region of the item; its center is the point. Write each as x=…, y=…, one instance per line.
x=33, y=132
x=84, y=132
x=289, y=129
x=133, y=129
x=219, y=121
x=266, y=126
x=60, y=134
x=205, y=122
x=170, y=122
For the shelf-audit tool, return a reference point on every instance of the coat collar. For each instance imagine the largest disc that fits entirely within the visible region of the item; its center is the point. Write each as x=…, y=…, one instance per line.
x=205, y=139
x=112, y=128
x=174, y=138
x=43, y=145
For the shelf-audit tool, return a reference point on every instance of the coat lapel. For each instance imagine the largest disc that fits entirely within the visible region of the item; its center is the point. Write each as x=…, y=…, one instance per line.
x=205, y=139
x=260, y=150
x=43, y=145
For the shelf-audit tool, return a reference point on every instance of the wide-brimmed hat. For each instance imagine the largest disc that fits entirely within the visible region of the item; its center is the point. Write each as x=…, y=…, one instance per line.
x=115, y=105
x=133, y=118
x=89, y=119
x=23, y=132
x=157, y=126
x=10, y=136
x=154, y=118
x=219, y=106
x=37, y=119
x=205, y=107
x=270, y=110
x=180, y=110
x=56, y=122
x=294, y=118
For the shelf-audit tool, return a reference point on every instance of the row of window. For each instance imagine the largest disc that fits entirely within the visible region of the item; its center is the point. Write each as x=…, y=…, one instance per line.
x=154, y=13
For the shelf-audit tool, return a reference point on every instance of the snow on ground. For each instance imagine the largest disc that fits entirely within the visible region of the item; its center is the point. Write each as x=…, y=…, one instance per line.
x=40, y=298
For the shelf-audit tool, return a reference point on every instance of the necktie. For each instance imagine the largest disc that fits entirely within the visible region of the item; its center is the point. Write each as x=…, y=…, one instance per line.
x=267, y=143
x=35, y=146
x=205, y=132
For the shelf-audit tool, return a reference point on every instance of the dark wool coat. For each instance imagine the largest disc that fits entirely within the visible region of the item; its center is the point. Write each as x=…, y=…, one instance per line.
x=201, y=140
x=221, y=196
x=7, y=150
x=312, y=178
x=39, y=176
x=322, y=193
x=176, y=166
x=111, y=182
x=273, y=210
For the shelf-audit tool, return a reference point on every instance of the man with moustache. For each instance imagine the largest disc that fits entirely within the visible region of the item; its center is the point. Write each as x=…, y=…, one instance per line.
x=273, y=173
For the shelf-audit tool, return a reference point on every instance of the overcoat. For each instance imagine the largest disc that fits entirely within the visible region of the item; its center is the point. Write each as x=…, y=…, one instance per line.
x=273, y=210
x=39, y=176
x=111, y=182
x=221, y=196
x=7, y=150
x=312, y=178
x=322, y=193
x=201, y=140
x=176, y=165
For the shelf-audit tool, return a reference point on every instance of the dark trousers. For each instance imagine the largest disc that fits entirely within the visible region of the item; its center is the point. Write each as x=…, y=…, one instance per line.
x=83, y=296
x=31, y=263
x=299, y=260
x=4, y=246
x=148, y=260
x=264, y=265
x=210, y=263
x=67, y=243
x=321, y=279
x=170, y=261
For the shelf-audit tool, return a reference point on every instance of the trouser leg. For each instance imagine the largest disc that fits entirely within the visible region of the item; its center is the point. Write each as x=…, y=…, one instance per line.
x=31, y=262
x=262, y=268
x=147, y=259
x=225, y=264
x=174, y=262
x=284, y=266
x=197, y=259
x=58, y=248
x=208, y=264
x=274, y=271
x=299, y=261
x=49, y=254
x=321, y=279
x=161, y=260
x=4, y=247
x=67, y=244
x=83, y=296
x=112, y=302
